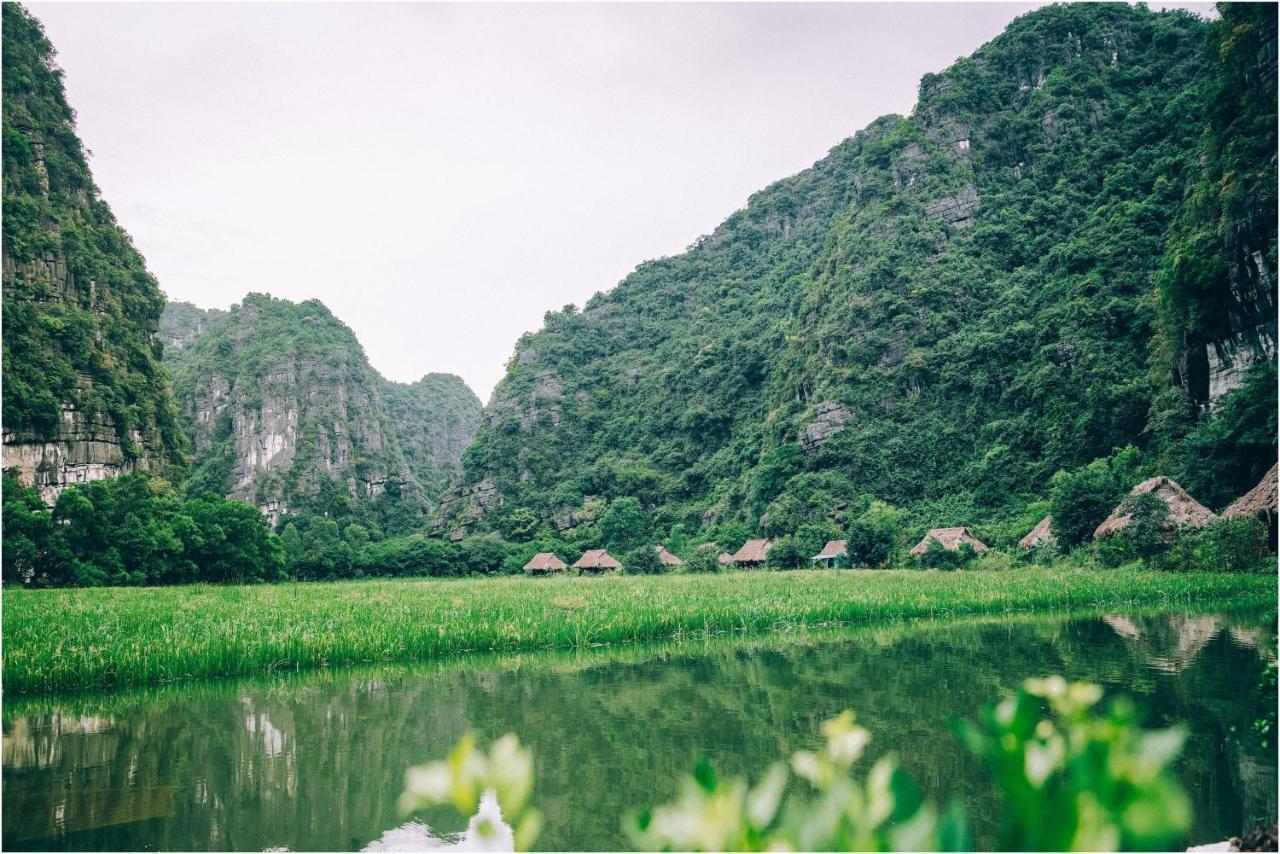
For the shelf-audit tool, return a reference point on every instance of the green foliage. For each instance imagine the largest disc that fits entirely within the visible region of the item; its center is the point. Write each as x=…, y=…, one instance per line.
x=788, y=553
x=80, y=307
x=1228, y=544
x=435, y=419
x=1146, y=537
x=483, y=553
x=938, y=556
x=1078, y=779
x=823, y=807
x=298, y=357
x=134, y=530
x=1080, y=500
x=955, y=361
x=642, y=561
x=34, y=551
x=705, y=559
x=1071, y=779
x=1217, y=277
x=873, y=536
x=1223, y=457
x=625, y=525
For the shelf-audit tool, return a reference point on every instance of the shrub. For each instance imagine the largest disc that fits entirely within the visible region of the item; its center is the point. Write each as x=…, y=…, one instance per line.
x=873, y=536
x=642, y=561
x=483, y=553
x=1236, y=544
x=1079, y=500
x=1145, y=537
x=787, y=553
x=706, y=558
x=938, y=556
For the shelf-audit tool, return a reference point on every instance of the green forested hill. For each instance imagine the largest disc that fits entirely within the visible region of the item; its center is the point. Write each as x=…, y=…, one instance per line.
x=286, y=413
x=435, y=420
x=84, y=395
x=942, y=313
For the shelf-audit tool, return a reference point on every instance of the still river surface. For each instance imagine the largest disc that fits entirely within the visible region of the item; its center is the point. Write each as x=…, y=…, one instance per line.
x=317, y=761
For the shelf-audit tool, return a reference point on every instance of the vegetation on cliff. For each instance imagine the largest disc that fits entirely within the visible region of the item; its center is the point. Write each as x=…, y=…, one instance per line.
x=80, y=308
x=941, y=314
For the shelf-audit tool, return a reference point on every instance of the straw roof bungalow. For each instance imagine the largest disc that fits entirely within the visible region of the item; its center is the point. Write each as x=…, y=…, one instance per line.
x=1183, y=509
x=596, y=560
x=831, y=552
x=667, y=558
x=1041, y=534
x=1260, y=502
x=544, y=562
x=951, y=539
x=752, y=553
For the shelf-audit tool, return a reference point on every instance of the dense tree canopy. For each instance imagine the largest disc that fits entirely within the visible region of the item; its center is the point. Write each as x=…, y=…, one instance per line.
x=944, y=312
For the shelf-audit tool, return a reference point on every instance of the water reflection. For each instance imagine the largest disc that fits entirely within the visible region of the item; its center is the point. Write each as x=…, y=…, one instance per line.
x=317, y=762
x=485, y=832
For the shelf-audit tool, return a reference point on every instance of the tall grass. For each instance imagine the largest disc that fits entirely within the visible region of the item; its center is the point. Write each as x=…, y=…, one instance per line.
x=100, y=637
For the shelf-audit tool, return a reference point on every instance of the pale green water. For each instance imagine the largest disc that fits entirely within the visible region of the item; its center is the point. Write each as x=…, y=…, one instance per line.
x=316, y=762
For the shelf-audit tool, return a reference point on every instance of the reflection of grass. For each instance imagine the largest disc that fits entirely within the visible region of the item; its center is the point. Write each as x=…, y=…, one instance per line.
x=77, y=639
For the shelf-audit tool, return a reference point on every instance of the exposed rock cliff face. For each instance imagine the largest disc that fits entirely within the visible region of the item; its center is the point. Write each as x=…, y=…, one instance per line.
x=182, y=323
x=1219, y=286
x=286, y=413
x=84, y=396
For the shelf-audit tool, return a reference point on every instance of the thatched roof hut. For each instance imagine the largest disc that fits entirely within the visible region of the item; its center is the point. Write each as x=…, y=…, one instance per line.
x=1261, y=501
x=667, y=558
x=752, y=553
x=545, y=562
x=596, y=560
x=831, y=552
x=1041, y=534
x=1183, y=509
x=951, y=540
x=725, y=559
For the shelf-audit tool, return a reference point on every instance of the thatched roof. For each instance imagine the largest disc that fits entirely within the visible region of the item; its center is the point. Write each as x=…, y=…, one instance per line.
x=951, y=539
x=752, y=551
x=596, y=559
x=1183, y=509
x=667, y=558
x=1040, y=534
x=832, y=550
x=725, y=559
x=1259, y=501
x=545, y=562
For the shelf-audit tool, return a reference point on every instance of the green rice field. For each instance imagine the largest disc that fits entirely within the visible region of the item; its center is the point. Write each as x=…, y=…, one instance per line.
x=66, y=640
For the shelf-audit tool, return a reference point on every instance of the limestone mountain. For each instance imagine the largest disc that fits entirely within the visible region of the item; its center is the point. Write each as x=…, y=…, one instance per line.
x=941, y=313
x=183, y=322
x=435, y=420
x=286, y=413
x=84, y=394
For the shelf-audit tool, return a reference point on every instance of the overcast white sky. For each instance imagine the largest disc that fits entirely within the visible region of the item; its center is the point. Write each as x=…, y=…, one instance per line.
x=441, y=175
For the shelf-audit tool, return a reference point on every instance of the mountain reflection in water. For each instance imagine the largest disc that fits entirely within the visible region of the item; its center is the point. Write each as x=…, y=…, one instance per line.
x=317, y=761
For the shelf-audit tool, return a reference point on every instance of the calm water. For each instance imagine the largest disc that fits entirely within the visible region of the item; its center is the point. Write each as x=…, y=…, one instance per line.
x=316, y=762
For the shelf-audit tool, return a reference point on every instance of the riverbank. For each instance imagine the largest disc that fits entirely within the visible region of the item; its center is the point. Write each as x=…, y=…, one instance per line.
x=66, y=640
